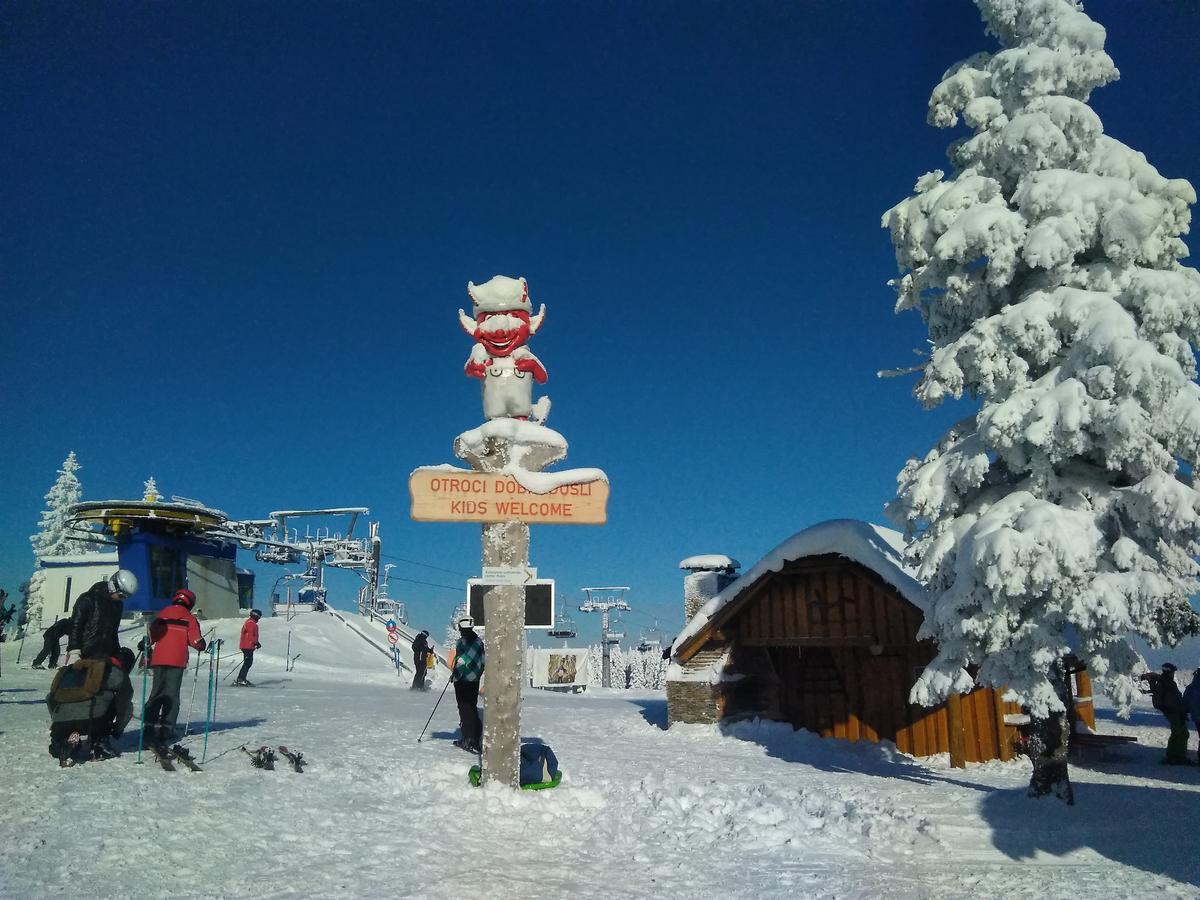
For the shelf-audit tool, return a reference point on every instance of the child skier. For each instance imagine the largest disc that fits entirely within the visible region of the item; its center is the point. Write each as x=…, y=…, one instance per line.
x=248, y=644
x=468, y=669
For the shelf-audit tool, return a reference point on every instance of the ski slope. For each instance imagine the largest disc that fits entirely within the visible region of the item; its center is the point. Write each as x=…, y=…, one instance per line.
x=756, y=811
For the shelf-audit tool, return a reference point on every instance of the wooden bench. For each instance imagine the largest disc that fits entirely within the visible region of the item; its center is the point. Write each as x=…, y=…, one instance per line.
x=1081, y=741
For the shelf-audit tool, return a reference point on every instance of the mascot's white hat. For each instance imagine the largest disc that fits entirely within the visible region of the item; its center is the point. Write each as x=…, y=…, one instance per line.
x=500, y=294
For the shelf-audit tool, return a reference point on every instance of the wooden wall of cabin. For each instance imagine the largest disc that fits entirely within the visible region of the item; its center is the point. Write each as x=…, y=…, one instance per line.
x=830, y=647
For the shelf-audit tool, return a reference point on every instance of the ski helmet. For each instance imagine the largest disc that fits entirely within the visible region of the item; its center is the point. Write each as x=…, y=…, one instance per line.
x=123, y=582
x=1168, y=667
x=184, y=597
x=466, y=623
x=256, y=614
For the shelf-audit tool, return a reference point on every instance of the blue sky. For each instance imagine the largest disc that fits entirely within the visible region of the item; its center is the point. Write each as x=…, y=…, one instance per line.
x=235, y=237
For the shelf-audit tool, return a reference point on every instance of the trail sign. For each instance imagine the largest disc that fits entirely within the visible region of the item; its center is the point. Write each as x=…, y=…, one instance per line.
x=509, y=574
x=451, y=495
x=539, y=602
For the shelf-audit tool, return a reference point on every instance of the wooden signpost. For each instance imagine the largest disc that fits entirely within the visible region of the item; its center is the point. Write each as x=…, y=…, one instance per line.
x=447, y=495
x=513, y=440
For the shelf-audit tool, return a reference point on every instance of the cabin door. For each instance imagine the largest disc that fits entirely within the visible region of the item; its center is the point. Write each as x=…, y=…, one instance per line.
x=812, y=692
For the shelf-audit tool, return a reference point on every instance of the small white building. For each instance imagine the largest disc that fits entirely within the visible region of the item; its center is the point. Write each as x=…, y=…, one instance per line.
x=69, y=576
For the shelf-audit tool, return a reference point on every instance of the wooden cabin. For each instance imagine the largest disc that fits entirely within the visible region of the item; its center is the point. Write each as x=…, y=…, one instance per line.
x=822, y=633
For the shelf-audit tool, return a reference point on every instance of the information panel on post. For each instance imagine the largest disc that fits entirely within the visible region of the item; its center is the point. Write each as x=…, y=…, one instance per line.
x=539, y=602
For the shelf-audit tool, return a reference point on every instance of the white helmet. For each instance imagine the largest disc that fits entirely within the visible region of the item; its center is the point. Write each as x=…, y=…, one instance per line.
x=123, y=582
x=466, y=622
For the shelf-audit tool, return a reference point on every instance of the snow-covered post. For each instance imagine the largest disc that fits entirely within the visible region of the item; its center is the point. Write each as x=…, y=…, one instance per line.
x=511, y=451
x=1062, y=517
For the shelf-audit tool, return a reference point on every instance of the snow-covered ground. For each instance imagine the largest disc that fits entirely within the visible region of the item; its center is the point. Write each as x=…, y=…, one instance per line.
x=757, y=811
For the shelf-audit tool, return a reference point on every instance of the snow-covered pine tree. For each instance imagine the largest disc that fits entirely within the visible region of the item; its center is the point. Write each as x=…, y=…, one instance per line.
x=452, y=634
x=53, y=537
x=150, y=490
x=1061, y=518
x=595, y=665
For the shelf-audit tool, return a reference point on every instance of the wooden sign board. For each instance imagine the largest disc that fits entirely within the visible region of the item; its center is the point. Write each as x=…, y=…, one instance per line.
x=448, y=495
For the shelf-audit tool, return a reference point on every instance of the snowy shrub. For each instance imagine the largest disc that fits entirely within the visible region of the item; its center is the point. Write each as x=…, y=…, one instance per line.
x=629, y=668
x=53, y=537
x=1062, y=516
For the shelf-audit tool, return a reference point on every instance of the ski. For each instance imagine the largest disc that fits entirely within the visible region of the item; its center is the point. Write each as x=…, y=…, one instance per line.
x=184, y=755
x=164, y=757
x=294, y=757
x=262, y=758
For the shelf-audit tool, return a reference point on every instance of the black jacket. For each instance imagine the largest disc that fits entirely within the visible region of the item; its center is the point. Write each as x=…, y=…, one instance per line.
x=1165, y=695
x=57, y=631
x=94, y=623
x=420, y=647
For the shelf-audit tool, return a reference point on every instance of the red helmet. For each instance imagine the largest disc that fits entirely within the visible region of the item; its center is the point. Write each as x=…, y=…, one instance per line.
x=184, y=597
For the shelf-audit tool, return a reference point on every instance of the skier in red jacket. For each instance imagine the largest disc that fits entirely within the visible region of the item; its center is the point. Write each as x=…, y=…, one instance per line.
x=172, y=632
x=248, y=644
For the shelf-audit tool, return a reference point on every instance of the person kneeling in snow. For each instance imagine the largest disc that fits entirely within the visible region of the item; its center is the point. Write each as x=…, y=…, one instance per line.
x=539, y=765
x=91, y=697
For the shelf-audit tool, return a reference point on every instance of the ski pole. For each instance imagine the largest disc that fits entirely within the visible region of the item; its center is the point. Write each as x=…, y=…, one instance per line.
x=195, y=680
x=435, y=706
x=217, y=682
x=288, y=668
x=208, y=715
x=21, y=649
x=145, y=673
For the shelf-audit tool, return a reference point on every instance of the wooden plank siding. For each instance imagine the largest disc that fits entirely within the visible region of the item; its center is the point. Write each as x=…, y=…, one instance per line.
x=841, y=648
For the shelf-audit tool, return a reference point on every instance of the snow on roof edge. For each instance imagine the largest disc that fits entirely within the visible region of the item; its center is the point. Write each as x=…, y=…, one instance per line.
x=877, y=548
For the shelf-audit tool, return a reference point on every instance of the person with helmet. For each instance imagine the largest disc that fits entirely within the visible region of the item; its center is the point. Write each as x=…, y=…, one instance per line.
x=97, y=616
x=421, y=650
x=467, y=672
x=173, y=631
x=248, y=644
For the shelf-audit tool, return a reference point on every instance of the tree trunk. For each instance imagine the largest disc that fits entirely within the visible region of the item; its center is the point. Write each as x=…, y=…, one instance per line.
x=1049, y=741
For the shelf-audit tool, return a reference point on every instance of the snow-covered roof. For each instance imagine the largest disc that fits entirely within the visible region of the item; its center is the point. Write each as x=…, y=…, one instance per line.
x=873, y=546
x=710, y=561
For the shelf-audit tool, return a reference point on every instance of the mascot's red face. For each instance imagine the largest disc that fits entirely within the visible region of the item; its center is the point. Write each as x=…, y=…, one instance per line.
x=502, y=332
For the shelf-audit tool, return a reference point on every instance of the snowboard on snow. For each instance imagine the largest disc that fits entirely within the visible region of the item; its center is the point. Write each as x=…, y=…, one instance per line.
x=476, y=774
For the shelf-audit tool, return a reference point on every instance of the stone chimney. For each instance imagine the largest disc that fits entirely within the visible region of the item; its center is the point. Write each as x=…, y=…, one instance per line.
x=706, y=577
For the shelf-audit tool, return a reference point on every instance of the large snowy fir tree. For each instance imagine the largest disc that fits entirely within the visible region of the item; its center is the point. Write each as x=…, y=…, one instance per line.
x=1060, y=519
x=54, y=537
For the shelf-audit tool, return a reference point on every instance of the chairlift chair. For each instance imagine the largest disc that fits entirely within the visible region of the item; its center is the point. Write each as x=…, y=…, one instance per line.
x=564, y=627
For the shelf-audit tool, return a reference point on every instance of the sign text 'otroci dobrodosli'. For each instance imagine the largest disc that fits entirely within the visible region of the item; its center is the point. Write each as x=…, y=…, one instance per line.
x=439, y=495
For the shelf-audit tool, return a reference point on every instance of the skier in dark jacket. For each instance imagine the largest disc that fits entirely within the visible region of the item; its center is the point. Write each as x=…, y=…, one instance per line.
x=97, y=616
x=1191, y=699
x=51, y=639
x=174, y=630
x=1166, y=698
x=76, y=711
x=420, y=649
x=467, y=672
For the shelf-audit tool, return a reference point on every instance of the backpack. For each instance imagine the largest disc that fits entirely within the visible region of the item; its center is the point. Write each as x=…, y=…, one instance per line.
x=82, y=680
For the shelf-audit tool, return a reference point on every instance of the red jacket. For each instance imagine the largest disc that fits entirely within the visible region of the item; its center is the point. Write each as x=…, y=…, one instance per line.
x=249, y=635
x=173, y=631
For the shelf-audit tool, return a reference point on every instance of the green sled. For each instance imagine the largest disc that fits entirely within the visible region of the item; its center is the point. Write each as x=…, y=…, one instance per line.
x=474, y=776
